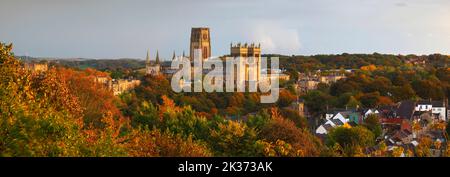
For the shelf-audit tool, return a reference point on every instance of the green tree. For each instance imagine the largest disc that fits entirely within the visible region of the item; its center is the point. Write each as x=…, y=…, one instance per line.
x=372, y=122
x=350, y=139
x=232, y=138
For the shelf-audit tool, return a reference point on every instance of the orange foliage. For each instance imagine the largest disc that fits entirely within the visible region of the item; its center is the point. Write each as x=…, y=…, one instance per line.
x=369, y=68
x=96, y=98
x=384, y=100
x=280, y=128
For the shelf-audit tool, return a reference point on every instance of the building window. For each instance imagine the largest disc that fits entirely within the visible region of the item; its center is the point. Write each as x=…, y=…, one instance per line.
x=205, y=36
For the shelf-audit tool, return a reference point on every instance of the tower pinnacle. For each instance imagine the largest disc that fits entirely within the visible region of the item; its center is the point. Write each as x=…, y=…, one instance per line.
x=157, y=57
x=147, y=59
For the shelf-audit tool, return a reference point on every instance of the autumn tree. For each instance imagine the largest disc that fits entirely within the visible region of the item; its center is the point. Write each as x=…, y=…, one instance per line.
x=372, y=122
x=153, y=143
x=280, y=128
x=286, y=98
x=231, y=138
x=39, y=116
x=350, y=138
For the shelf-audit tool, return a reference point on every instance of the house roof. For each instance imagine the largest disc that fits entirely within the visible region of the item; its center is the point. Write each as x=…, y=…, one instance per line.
x=437, y=103
x=327, y=127
x=387, y=112
x=401, y=134
x=337, y=122
x=424, y=102
x=353, y=124
x=392, y=121
x=406, y=109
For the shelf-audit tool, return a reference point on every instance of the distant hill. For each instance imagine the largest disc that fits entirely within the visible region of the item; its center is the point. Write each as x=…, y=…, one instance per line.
x=83, y=63
x=292, y=63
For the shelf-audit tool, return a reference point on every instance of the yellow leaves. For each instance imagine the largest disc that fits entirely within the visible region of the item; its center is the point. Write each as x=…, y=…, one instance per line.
x=447, y=150
x=359, y=152
x=397, y=152
x=346, y=125
x=144, y=143
x=416, y=126
x=337, y=150
x=437, y=144
x=280, y=149
x=231, y=128
x=441, y=125
x=423, y=149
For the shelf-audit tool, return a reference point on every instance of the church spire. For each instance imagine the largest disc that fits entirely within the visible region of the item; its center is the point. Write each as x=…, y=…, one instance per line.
x=184, y=54
x=157, y=57
x=173, y=57
x=147, y=59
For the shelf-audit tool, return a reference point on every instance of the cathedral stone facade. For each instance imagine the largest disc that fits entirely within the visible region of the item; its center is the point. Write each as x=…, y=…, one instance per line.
x=200, y=39
x=153, y=68
x=249, y=53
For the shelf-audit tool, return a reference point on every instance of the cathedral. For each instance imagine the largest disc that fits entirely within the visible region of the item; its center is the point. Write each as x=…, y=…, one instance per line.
x=200, y=39
x=152, y=68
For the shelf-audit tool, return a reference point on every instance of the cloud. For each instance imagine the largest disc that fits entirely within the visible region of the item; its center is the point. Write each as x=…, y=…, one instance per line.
x=275, y=38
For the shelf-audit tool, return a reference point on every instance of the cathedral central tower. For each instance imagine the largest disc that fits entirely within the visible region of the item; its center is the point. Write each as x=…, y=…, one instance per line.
x=200, y=39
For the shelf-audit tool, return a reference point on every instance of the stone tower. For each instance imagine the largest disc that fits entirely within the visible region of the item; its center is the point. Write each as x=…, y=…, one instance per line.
x=247, y=51
x=152, y=68
x=200, y=39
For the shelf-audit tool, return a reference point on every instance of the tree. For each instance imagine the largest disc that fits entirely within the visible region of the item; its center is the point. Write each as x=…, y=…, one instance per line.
x=286, y=98
x=280, y=128
x=293, y=115
x=350, y=138
x=353, y=102
x=423, y=149
x=317, y=101
x=397, y=152
x=447, y=130
x=146, y=143
x=380, y=84
x=153, y=88
x=370, y=100
x=372, y=122
x=40, y=117
x=429, y=88
x=231, y=138
x=94, y=97
x=403, y=92
x=278, y=149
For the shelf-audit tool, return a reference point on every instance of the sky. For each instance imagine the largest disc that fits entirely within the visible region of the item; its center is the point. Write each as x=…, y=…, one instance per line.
x=127, y=29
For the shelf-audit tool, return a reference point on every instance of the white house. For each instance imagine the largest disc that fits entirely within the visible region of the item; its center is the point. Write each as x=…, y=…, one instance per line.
x=328, y=116
x=324, y=129
x=423, y=106
x=321, y=130
x=437, y=108
x=370, y=111
x=340, y=117
x=332, y=121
